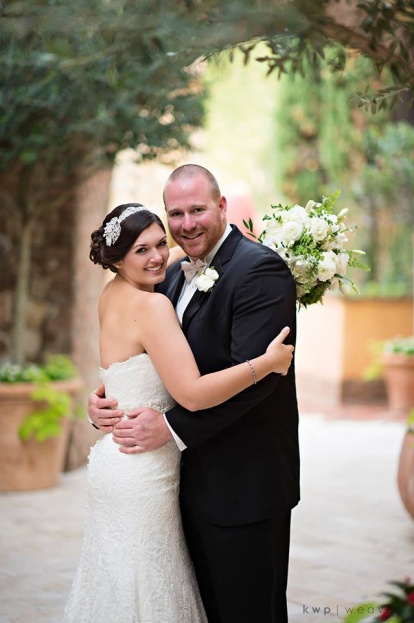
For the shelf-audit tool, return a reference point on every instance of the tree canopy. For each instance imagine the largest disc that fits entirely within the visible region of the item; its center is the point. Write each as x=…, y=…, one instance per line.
x=294, y=31
x=97, y=77
x=74, y=91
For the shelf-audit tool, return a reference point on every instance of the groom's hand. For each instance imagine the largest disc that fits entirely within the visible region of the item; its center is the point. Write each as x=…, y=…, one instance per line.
x=145, y=429
x=102, y=412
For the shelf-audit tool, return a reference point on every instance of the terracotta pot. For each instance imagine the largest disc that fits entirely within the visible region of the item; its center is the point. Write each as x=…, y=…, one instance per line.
x=30, y=464
x=399, y=381
x=405, y=476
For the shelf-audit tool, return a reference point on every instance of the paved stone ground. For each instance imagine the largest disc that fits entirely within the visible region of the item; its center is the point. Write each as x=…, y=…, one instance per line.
x=350, y=533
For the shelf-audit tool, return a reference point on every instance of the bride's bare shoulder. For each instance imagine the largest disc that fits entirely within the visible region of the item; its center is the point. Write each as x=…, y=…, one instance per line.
x=157, y=303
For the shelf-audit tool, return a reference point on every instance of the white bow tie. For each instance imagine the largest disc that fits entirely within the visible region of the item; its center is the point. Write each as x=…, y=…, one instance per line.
x=191, y=268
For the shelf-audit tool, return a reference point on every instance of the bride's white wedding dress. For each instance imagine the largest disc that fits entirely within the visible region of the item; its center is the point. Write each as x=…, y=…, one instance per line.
x=134, y=565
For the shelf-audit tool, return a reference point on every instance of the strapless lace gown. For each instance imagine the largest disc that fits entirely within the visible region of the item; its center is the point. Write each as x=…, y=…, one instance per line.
x=134, y=565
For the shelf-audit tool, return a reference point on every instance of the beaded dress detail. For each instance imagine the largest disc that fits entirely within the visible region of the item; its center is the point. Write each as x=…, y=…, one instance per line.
x=134, y=565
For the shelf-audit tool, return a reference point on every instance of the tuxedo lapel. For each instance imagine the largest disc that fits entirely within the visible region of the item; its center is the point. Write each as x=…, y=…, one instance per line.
x=175, y=286
x=225, y=252
x=193, y=306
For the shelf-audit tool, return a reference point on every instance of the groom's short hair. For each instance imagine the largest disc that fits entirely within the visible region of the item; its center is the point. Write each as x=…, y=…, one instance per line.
x=187, y=171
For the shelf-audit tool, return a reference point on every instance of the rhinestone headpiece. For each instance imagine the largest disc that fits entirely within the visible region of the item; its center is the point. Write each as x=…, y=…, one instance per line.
x=112, y=229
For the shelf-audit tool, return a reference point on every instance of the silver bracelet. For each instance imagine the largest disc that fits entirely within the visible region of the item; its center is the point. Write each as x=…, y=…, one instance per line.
x=253, y=371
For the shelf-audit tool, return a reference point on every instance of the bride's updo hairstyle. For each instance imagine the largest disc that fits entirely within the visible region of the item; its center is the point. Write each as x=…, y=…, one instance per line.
x=118, y=232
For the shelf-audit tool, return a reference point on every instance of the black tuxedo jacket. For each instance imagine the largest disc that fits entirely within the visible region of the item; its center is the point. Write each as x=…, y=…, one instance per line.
x=242, y=459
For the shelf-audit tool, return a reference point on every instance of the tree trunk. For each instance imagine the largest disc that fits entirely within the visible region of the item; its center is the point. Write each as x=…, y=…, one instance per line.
x=21, y=294
x=26, y=208
x=91, y=208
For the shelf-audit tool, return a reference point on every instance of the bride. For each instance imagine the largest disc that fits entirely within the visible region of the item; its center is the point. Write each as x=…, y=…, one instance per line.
x=134, y=566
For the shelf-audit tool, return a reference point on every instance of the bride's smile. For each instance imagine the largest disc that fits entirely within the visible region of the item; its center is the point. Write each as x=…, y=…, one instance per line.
x=145, y=263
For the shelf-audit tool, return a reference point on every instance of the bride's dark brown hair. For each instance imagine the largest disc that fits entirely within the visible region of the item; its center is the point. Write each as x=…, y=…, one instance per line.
x=132, y=227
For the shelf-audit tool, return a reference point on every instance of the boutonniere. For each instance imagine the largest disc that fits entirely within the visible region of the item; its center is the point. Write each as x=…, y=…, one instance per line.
x=206, y=280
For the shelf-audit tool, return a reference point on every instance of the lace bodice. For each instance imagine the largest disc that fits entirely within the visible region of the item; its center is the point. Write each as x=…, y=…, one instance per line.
x=135, y=383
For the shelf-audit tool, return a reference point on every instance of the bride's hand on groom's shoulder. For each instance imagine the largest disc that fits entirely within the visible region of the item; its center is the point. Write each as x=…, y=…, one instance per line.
x=282, y=354
x=102, y=411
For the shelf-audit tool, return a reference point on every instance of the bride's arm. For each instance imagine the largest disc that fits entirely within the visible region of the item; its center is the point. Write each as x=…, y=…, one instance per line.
x=171, y=355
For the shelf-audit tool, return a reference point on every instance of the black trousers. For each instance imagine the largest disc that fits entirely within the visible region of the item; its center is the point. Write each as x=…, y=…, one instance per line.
x=241, y=570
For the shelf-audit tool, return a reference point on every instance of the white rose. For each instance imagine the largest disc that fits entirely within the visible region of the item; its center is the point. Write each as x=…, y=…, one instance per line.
x=297, y=213
x=272, y=233
x=204, y=283
x=271, y=242
x=318, y=229
x=329, y=256
x=211, y=273
x=272, y=227
x=300, y=269
x=291, y=231
x=327, y=266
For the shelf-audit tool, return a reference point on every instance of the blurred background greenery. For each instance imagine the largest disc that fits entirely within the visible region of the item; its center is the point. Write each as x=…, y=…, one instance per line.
x=289, y=101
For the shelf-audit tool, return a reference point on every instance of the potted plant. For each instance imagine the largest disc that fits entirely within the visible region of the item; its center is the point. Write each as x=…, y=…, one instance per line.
x=405, y=474
x=398, y=369
x=394, y=363
x=36, y=403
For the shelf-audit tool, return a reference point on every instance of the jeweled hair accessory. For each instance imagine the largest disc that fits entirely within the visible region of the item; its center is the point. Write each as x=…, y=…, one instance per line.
x=112, y=229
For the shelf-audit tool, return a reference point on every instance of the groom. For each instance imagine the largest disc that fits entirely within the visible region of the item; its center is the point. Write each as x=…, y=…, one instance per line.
x=240, y=460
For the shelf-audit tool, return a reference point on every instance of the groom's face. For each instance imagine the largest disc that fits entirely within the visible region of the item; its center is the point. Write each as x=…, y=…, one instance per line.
x=196, y=218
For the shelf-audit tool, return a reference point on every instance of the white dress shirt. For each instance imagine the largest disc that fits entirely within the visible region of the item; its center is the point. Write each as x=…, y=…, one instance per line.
x=189, y=288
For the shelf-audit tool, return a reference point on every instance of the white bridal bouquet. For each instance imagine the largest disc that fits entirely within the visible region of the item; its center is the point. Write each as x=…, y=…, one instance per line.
x=312, y=241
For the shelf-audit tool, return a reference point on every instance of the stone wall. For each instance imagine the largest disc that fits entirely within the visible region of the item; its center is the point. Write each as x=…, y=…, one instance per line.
x=64, y=285
x=50, y=292
x=335, y=348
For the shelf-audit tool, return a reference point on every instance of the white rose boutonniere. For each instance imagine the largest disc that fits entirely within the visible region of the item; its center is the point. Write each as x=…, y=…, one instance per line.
x=206, y=280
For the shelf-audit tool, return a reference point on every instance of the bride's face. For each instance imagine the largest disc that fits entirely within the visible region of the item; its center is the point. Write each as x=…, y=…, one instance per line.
x=146, y=261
